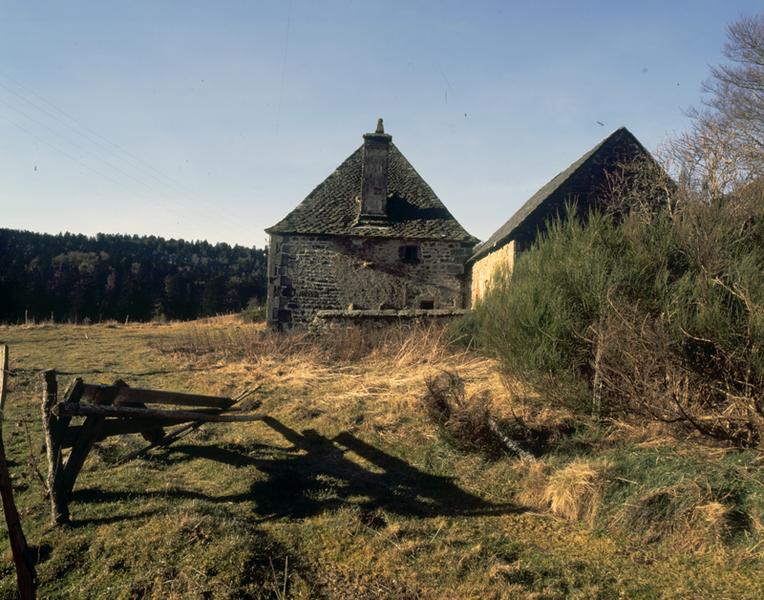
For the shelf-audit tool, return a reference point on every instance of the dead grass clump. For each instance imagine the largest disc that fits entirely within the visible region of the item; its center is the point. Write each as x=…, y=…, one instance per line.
x=465, y=422
x=533, y=476
x=574, y=492
x=687, y=514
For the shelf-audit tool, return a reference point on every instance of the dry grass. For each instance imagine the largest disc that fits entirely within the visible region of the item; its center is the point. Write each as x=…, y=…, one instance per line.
x=382, y=372
x=687, y=514
x=574, y=492
x=352, y=493
x=398, y=346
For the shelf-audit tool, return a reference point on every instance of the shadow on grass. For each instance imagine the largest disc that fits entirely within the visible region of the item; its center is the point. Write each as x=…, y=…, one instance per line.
x=270, y=570
x=77, y=523
x=317, y=475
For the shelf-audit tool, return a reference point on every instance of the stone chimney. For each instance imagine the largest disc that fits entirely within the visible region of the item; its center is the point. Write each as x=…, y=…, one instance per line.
x=376, y=148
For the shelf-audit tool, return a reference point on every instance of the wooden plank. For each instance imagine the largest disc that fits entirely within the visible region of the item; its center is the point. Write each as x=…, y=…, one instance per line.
x=74, y=390
x=183, y=430
x=150, y=433
x=91, y=430
x=22, y=558
x=177, y=416
x=130, y=395
x=113, y=427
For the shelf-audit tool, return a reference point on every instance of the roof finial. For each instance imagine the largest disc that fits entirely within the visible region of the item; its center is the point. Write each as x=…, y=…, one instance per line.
x=380, y=126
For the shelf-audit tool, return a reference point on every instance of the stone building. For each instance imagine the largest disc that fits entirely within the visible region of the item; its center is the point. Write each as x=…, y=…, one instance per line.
x=372, y=237
x=584, y=183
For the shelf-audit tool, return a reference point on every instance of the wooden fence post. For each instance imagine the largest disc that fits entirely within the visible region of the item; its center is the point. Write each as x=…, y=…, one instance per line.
x=22, y=558
x=59, y=509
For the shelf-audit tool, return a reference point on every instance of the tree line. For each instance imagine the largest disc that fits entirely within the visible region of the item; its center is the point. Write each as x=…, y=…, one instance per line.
x=73, y=277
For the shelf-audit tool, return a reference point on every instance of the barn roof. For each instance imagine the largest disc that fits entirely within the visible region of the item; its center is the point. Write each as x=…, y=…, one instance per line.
x=413, y=209
x=580, y=181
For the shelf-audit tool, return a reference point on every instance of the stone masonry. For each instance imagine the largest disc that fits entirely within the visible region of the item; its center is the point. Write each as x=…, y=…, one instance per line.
x=373, y=236
x=311, y=273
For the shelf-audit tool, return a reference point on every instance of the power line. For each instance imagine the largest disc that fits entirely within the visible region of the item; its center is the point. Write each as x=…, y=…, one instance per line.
x=178, y=205
x=93, y=137
x=81, y=148
x=63, y=152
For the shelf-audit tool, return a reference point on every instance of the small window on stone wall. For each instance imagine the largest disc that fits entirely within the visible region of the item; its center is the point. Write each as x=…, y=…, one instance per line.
x=426, y=304
x=409, y=254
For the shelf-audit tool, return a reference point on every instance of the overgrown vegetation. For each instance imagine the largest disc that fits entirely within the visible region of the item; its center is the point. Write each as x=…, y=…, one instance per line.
x=70, y=277
x=656, y=309
x=659, y=317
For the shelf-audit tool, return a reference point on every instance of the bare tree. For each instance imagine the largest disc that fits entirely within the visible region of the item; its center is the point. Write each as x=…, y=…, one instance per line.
x=725, y=144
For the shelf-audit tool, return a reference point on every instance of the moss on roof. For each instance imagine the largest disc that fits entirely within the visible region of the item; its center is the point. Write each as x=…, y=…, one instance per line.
x=414, y=211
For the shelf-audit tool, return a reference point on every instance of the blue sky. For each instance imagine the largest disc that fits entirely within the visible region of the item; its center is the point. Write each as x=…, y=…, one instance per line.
x=211, y=120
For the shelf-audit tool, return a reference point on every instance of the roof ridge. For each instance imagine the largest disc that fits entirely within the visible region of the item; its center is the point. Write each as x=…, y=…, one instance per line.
x=502, y=235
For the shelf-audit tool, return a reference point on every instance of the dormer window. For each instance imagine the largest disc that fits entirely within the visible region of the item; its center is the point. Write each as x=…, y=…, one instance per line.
x=409, y=254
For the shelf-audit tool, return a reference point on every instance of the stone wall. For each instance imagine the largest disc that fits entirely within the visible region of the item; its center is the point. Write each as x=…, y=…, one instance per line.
x=484, y=270
x=311, y=273
x=326, y=320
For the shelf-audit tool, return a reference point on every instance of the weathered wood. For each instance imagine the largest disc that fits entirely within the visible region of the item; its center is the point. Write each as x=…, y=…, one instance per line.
x=152, y=431
x=4, y=370
x=22, y=558
x=73, y=393
x=177, y=416
x=130, y=395
x=74, y=390
x=91, y=430
x=53, y=434
x=174, y=435
x=114, y=410
x=112, y=427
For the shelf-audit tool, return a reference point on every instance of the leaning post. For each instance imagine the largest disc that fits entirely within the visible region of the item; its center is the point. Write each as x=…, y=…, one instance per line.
x=58, y=506
x=22, y=558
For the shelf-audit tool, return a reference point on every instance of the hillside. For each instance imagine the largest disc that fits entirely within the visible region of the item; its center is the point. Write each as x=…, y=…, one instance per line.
x=347, y=490
x=71, y=277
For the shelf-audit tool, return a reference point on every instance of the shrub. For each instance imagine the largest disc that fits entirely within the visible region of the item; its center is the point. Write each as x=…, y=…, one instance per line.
x=661, y=316
x=466, y=422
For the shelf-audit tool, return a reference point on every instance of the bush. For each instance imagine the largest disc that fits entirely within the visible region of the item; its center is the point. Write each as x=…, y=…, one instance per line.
x=661, y=316
x=466, y=422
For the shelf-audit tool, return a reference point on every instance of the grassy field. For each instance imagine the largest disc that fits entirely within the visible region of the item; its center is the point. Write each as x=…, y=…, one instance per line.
x=347, y=490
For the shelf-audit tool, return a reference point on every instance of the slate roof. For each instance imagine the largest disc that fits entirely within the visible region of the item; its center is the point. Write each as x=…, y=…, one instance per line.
x=414, y=211
x=581, y=181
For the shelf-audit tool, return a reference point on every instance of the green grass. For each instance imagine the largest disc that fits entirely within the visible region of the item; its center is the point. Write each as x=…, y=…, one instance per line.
x=347, y=492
